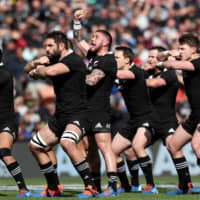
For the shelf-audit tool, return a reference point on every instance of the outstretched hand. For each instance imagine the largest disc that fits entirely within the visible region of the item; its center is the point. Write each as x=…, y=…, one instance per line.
x=80, y=14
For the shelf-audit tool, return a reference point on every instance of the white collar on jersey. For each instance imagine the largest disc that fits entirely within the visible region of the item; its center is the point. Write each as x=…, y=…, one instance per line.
x=132, y=65
x=165, y=69
x=109, y=52
x=69, y=52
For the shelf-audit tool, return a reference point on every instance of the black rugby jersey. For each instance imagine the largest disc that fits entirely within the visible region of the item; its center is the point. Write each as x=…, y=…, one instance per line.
x=135, y=94
x=164, y=98
x=99, y=94
x=70, y=88
x=6, y=94
x=192, y=87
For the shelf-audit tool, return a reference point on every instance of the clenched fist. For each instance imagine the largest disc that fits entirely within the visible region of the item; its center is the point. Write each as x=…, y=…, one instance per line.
x=80, y=14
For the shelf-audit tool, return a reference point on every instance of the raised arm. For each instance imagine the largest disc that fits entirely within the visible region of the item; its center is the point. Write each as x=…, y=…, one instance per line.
x=77, y=29
x=125, y=74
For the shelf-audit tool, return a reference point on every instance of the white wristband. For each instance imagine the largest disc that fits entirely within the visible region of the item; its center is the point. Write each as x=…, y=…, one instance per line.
x=165, y=53
x=34, y=71
x=160, y=65
x=32, y=64
x=77, y=25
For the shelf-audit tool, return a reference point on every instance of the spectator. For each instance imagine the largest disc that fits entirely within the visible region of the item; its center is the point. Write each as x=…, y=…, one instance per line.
x=138, y=24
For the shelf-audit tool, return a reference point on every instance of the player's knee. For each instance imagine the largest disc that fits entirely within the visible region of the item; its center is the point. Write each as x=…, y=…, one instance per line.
x=174, y=150
x=171, y=148
x=4, y=152
x=130, y=154
x=136, y=146
x=37, y=142
x=69, y=137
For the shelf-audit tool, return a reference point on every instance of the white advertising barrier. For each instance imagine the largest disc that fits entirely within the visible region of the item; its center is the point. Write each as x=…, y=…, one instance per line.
x=162, y=162
x=4, y=173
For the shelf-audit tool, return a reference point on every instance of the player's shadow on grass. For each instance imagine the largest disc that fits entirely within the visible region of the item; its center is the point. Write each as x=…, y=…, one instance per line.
x=70, y=193
x=3, y=195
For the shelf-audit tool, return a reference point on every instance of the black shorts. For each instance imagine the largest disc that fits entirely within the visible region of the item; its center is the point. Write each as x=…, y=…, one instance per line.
x=164, y=130
x=58, y=123
x=98, y=123
x=11, y=127
x=149, y=122
x=118, y=122
x=190, y=124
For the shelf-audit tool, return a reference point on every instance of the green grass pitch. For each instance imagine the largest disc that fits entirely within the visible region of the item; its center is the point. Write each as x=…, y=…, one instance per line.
x=165, y=183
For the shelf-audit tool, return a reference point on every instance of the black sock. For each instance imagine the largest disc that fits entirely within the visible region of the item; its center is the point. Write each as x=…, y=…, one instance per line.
x=49, y=172
x=121, y=172
x=146, y=166
x=55, y=167
x=84, y=172
x=188, y=177
x=96, y=177
x=198, y=161
x=133, y=166
x=112, y=180
x=15, y=171
x=182, y=171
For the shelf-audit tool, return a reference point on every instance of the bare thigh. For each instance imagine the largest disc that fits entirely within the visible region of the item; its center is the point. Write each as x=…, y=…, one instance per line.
x=119, y=144
x=142, y=138
x=179, y=139
x=196, y=141
x=48, y=136
x=6, y=140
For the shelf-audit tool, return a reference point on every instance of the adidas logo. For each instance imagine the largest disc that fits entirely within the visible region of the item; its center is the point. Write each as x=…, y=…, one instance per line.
x=117, y=81
x=107, y=125
x=98, y=125
x=171, y=130
x=76, y=122
x=96, y=63
x=146, y=124
x=6, y=129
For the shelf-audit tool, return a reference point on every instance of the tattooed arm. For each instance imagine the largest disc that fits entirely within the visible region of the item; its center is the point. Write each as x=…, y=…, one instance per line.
x=77, y=29
x=95, y=76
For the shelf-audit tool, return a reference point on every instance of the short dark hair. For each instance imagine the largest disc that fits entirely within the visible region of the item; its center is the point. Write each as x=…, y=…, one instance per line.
x=108, y=35
x=58, y=37
x=127, y=52
x=189, y=39
x=159, y=48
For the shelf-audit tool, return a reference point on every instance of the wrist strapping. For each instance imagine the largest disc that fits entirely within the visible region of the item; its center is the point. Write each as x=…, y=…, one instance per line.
x=165, y=53
x=34, y=71
x=77, y=25
x=160, y=65
x=32, y=64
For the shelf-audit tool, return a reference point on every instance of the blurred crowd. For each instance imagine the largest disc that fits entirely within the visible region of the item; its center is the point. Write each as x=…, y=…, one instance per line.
x=139, y=24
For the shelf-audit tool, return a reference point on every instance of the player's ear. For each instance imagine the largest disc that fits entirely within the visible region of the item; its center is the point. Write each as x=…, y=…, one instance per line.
x=105, y=42
x=127, y=60
x=62, y=45
x=194, y=49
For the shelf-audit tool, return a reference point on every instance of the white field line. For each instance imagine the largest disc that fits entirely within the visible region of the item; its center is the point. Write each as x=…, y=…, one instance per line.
x=79, y=186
